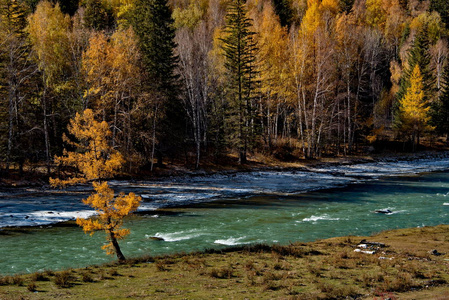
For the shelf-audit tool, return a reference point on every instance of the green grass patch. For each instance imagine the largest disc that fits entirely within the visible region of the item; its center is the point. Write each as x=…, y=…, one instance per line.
x=326, y=269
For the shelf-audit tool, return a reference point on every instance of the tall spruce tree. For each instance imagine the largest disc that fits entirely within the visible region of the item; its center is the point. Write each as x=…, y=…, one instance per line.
x=440, y=117
x=239, y=48
x=154, y=26
x=418, y=55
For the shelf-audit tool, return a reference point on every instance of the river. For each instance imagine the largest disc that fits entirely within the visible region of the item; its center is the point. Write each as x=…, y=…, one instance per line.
x=194, y=213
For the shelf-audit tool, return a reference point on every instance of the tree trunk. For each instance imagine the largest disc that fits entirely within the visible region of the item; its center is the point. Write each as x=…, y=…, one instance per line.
x=154, y=138
x=46, y=134
x=121, y=258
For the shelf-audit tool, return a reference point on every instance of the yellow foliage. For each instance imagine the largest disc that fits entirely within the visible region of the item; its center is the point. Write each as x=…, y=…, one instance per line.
x=110, y=66
x=331, y=6
x=95, y=158
x=413, y=109
x=272, y=54
x=49, y=34
x=433, y=22
x=375, y=13
x=188, y=17
x=111, y=211
x=312, y=18
x=375, y=134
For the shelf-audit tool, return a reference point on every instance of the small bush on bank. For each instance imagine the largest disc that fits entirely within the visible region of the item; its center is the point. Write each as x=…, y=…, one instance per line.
x=17, y=280
x=32, y=287
x=38, y=276
x=86, y=277
x=63, y=279
x=222, y=273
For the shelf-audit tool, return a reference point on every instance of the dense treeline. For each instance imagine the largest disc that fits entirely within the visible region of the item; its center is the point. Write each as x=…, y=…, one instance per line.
x=203, y=78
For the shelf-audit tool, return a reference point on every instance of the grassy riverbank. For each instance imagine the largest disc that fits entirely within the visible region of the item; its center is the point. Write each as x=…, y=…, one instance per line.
x=402, y=267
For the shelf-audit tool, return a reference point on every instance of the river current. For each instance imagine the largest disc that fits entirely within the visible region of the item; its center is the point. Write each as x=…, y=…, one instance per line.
x=216, y=211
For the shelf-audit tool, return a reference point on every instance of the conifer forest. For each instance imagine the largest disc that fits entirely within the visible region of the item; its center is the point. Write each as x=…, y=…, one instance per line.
x=196, y=80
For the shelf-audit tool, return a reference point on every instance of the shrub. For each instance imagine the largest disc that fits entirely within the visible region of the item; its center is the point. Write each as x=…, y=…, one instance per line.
x=222, y=273
x=160, y=266
x=334, y=291
x=32, y=287
x=63, y=279
x=38, y=277
x=4, y=280
x=17, y=280
x=87, y=277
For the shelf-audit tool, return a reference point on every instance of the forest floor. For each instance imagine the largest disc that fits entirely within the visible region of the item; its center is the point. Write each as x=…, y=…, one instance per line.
x=395, y=264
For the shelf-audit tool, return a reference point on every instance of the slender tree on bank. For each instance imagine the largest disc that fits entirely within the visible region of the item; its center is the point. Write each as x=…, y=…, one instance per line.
x=239, y=49
x=96, y=160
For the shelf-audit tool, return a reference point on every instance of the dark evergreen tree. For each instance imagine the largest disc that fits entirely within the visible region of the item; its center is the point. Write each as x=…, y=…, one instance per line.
x=98, y=16
x=68, y=6
x=346, y=5
x=239, y=48
x=419, y=55
x=442, y=7
x=284, y=10
x=440, y=108
x=153, y=23
x=16, y=71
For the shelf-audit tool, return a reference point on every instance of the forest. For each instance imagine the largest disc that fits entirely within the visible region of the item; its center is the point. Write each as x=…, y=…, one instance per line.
x=190, y=81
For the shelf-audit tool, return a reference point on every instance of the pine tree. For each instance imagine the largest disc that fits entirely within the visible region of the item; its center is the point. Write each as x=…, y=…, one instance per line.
x=97, y=15
x=239, y=49
x=442, y=7
x=418, y=55
x=440, y=116
x=154, y=27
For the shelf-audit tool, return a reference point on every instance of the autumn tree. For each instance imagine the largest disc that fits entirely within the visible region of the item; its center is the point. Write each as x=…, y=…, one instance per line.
x=272, y=58
x=413, y=113
x=49, y=31
x=96, y=160
x=312, y=74
x=112, y=75
x=239, y=49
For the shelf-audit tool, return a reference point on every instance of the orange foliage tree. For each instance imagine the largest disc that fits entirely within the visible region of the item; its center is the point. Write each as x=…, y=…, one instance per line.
x=413, y=113
x=96, y=160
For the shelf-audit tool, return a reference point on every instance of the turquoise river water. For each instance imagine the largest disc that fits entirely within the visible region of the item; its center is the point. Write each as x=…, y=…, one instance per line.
x=415, y=200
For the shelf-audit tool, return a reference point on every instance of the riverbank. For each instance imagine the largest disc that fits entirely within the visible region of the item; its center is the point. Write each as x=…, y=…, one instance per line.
x=36, y=178
x=396, y=264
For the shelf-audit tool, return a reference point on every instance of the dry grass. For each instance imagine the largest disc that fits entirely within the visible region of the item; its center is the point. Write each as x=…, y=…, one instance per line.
x=328, y=269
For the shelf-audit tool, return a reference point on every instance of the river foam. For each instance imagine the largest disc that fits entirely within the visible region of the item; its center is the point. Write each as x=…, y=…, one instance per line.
x=50, y=207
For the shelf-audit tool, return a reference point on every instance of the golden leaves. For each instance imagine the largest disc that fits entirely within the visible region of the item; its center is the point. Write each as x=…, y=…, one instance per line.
x=110, y=67
x=94, y=158
x=111, y=210
x=48, y=28
x=413, y=109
